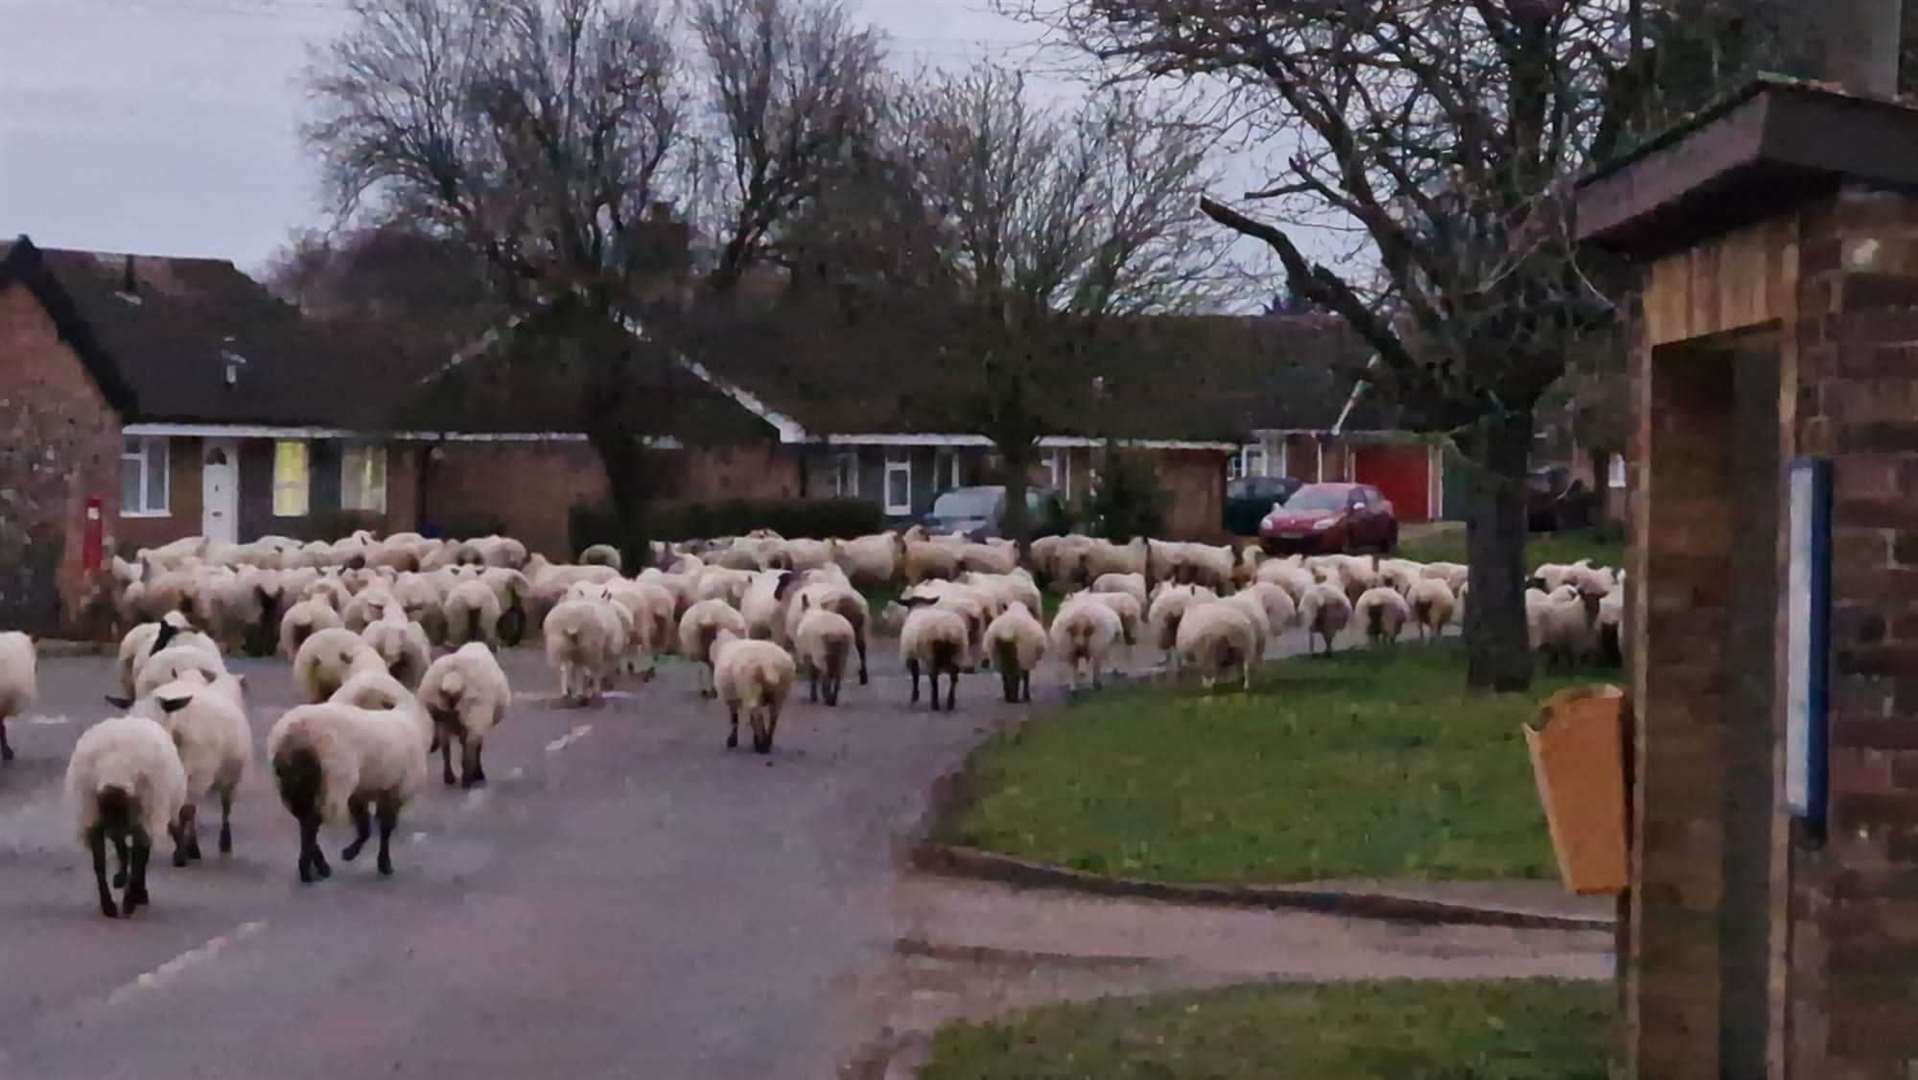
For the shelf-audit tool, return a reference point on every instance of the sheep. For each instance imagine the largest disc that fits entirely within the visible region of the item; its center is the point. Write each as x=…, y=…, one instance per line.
x=1169, y=605
x=1215, y=635
x=401, y=644
x=166, y=665
x=19, y=684
x=602, y=555
x=1006, y=589
x=756, y=676
x=366, y=607
x=720, y=583
x=1383, y=613
x=1098, y=558
x=1083, y=633
x=802, y=555
x=1324, y=612
x=1287, y=575
x=466, y=694
x=1455, y=575
x=1270, y=604
x=1125, y=605
x=1559, y=627
x=585, y=641
x=125, y=784
x=822, y=641
x=650, y=608
x=514, y=593
x=1016, y=643
x=1132, y=585
x=761, y=607
x=243, y=610
x=206, y=719
x=471, y=612
x=328, y=659
x=927, y=559
x=1432, y=605
x=304, y=619
x=1610, y=626
x=1203, y=564
x=698, y=628
x=936, y=639
x=334, y=760
x=1001, y=557
x=871, y=561
x=423, y=600
x=835, y=596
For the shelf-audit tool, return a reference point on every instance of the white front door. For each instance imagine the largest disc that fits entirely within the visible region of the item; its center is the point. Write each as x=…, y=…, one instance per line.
x=220, y=491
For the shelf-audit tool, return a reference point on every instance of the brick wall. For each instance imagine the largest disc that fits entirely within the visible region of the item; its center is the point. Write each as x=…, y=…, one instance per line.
x=1194, y=480
x=59, y=445
x=529, y=487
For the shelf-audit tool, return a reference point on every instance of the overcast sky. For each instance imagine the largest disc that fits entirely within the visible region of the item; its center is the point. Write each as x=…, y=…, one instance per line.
x=169, y=127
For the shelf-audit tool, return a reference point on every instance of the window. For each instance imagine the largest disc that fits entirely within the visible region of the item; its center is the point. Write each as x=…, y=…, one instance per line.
x=945, y=469
x=1249, y=461
x=845, y=474
x=1061, y=466
x=143, y=478
x=1615, y=472
x=290, y=478
x=363, y=478
x=898, y=482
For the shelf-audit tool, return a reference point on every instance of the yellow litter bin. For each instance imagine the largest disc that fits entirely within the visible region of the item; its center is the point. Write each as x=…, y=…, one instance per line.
x=1578, y=757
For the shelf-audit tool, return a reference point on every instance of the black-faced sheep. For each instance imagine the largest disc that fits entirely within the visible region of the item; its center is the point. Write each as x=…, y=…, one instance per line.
x=466, y=694
x=207, y=722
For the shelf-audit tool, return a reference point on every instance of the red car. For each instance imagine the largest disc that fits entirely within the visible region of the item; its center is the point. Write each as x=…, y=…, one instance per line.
x=1327, y=518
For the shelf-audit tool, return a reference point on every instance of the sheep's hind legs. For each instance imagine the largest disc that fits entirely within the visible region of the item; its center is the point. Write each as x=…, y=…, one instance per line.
x=97, y=845
x=362, y=829
x=389, y=819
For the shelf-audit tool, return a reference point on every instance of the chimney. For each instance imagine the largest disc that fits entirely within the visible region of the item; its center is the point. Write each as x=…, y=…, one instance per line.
x=1859, y=41
x=127, y=281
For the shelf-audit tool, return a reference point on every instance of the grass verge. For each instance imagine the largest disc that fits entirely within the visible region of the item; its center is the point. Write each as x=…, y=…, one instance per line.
x=1365, y=765
x=1604, y=547
x=1506, y=1030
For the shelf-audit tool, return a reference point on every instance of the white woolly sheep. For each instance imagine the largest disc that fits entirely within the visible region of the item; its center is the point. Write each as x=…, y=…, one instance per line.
x=585, y=643
x=698, y=628
x=822, y=643
x=602, y=555
x=1271, y=603
x=303, y=620
x=125, y=785
x=1215, y=636
x=838, y=597
x=1132, y=585
x=338, y=760
x=1432, y=605
x=1610, y=628
x=1455, y=575
x=991, y=557
x=937, y=640
x=401, y=644
x=1169, y=605
x=471, y=612
x=207, y=722
x=756, y=676
x=1124, y=605
x=1097, y=558
x=19, y=684
x=1383, y=613
x=1083, y=633
x=1324, y=612
x=1016, y=642
x=167, y=665
x=328, y=659
x=1287, y=575
x=466, y=694
x=928, y=559
x=423, y=599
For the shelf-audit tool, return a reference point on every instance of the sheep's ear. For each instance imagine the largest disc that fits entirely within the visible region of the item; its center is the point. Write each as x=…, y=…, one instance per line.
x=783, y=584
x=915, y=601
x=173, y=705
x=119, y=702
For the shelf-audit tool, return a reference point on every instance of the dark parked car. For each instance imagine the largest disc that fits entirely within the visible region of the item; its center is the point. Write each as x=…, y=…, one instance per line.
x=1327, y=518
x=979, y=512
x=1249, y=498
x=1555, y=499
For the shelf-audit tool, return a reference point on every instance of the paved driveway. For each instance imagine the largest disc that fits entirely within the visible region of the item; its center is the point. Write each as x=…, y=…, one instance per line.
x=625, y=899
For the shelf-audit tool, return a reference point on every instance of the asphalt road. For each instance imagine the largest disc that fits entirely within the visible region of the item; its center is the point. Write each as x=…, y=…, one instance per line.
x=626, y=898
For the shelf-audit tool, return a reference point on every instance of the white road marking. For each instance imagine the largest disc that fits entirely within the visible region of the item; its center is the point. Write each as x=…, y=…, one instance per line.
x=579, y=732
x=48, y=721
x=167, y=972
x=516, y=774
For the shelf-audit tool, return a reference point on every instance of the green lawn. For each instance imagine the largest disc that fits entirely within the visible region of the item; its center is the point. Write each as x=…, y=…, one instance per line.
x=1368, y=764
x=1603, y=547
x=1512, y=1030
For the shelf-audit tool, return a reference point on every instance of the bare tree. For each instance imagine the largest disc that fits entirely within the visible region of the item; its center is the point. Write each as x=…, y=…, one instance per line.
x=1051, y=224
x=542, y=135
x=794, y=91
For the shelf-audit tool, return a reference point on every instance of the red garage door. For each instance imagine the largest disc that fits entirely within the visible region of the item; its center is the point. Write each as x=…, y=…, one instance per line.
x=1402, y=473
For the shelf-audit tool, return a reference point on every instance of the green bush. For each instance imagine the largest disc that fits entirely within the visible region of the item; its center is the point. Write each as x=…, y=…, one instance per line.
x=820, y=519
x=1129, y=501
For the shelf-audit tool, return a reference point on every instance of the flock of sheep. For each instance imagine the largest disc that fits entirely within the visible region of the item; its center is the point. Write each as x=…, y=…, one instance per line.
x=360, y=621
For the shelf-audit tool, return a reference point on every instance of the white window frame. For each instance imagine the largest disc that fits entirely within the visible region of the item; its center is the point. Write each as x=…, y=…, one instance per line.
x=955, y=468
x=897, y=461
x=377, y=452
x=143, y=449
x=1615, y=474
x=845, y=474
x=1061, y=470
x=306, y=482
x=1249, y=453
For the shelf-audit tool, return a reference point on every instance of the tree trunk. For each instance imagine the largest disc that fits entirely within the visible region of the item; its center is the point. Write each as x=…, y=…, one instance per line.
x=621, y=458
x=1601, y=487
x=1014, y=521
x=1498, y=657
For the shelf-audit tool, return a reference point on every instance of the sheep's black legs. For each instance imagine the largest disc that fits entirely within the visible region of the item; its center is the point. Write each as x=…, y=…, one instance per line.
x=472, y=774
x=860, y=641
x=126, y=860
x=186, y=843
x=97, y=845
x=389, y=817
x=312, y=860
x=912, y=667
x=362, y=829
x=136, y=895
x=446, y=757
x=813, y=680
x=732, y=738
x=952, y=692
x=1025, y=681
x=226, y=823
x=6, y=748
